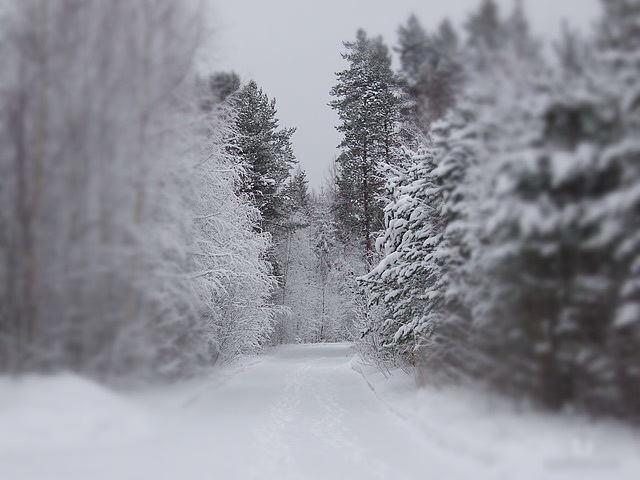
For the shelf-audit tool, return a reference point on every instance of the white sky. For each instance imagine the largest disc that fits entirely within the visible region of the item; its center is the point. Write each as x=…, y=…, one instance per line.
x=292, y=49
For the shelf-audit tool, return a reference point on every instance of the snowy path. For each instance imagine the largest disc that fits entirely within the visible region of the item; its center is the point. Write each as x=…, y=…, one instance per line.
x=299, y=412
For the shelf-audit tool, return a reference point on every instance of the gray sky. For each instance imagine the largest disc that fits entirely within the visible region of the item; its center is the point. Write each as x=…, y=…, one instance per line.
x=292, y=49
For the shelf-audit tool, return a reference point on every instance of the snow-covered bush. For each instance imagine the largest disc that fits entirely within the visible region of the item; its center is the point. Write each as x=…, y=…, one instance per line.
x=232, y=276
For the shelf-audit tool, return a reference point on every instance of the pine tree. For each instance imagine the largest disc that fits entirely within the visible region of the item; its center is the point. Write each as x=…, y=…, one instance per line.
x=572, y=53
x=430, y=73
x=518, y=33
x=297, y=191
x=367, y=105
x=484, y=27
x=450, y=186
x=216, y=89
x=264, y=150
x=618, y=42
x=558, y=256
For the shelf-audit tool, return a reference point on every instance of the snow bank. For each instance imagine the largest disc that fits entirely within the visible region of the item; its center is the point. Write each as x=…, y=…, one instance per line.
x=506, y=440
x=64, y=411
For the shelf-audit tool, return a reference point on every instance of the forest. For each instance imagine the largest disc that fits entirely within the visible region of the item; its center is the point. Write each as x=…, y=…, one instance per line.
x=479, y=227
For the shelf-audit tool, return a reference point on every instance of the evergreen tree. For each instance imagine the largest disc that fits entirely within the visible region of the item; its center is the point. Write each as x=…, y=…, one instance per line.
x=223, y=85
x=558, y=249
x=430, y=72
x=264, y=150
x=367, y=105
x=517, y=33
x=297, y=191
x=571, y=53
x=407, y=282
x=216, y=89
x=296, y=195
x=484, y=27
x=435, y=207
x=618, y=41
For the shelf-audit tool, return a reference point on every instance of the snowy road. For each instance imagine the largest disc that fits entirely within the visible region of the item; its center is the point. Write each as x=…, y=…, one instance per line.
x=298, y=412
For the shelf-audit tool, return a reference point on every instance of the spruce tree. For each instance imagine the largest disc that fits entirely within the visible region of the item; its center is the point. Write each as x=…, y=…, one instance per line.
x=618, y=41
x=558, y=258
x=407, y=281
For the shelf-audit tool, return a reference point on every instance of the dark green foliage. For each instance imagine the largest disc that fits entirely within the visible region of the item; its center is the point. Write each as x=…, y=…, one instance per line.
x=367, y=105
x=264, y=150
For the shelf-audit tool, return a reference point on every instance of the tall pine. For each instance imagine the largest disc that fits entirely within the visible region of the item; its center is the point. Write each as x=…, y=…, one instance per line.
x=367, y=105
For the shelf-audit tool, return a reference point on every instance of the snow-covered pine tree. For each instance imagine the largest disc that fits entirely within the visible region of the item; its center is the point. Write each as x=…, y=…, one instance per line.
x=407, y=282
x=458, y=170
x=297, y=191
x=549, y=259
x=230, y=274
x=264, y=150
x=618, y=41
x=558, y=253
x=367, y=105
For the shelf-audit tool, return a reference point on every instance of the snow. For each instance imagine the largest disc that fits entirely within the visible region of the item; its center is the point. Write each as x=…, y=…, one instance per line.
x=497, y=438
x=63, y=412
x=627, y=315
x=298, y=412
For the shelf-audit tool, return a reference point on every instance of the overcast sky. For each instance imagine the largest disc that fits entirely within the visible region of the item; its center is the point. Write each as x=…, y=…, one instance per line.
x=292, y=49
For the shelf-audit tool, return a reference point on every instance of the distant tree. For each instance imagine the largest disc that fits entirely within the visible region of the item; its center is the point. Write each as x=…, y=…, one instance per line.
x=430, y=73
x=367, y=105
x=518, y=33
x=297, y=191
x=571, y=52
x=484, y=27
x=223, y=85
x=296, y=218
x=216, y=89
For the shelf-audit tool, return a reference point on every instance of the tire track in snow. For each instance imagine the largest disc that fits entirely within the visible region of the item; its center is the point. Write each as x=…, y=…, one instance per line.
x=332, y=430
x=275, y=459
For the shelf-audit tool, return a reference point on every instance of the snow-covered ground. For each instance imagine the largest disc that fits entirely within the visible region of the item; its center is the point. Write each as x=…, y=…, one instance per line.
x=298, y=412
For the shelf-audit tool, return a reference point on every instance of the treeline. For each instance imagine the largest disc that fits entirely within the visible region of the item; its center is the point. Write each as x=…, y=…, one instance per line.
x=153, y=220
x=137, y=199
x=500, y=181
x=309, y=300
